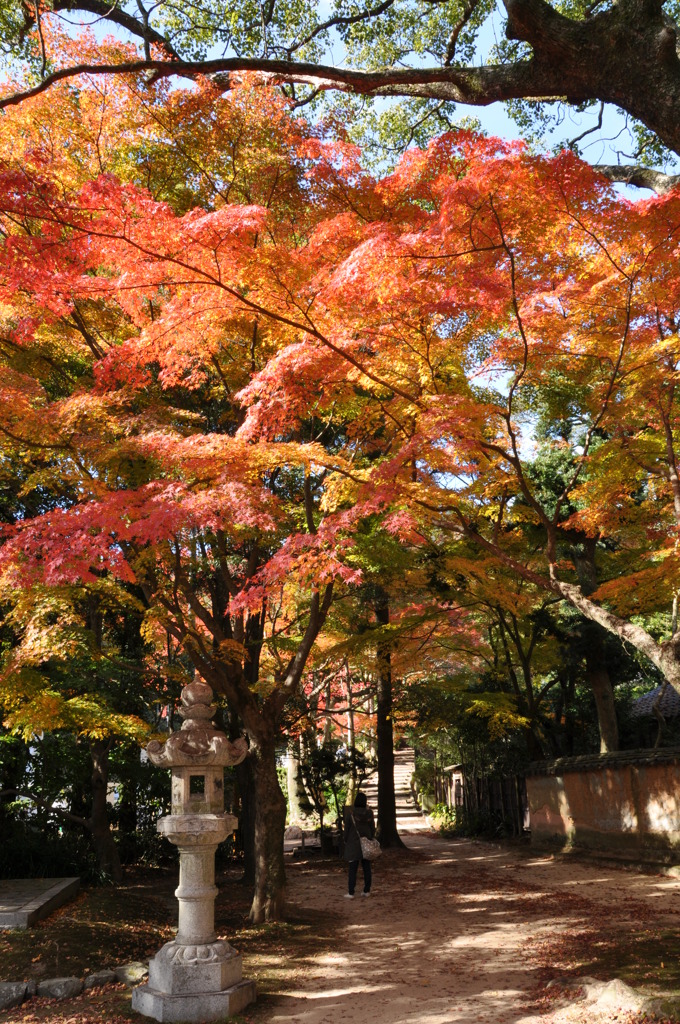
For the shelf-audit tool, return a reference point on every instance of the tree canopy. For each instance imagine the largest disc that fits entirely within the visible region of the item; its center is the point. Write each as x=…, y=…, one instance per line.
x=434, y=55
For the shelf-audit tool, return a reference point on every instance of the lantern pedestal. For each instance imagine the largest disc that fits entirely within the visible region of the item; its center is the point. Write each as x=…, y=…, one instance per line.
x=196, y=977
x=199, y=993
x=194, y=983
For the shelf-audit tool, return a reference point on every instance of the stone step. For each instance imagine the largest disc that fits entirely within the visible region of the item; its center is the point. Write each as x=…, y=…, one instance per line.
x=409, y=816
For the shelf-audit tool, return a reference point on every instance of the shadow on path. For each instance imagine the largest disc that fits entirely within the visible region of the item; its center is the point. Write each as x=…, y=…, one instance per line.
x=455, y=932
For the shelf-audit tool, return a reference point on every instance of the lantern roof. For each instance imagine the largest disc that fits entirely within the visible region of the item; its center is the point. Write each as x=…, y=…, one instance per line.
x=198, y=742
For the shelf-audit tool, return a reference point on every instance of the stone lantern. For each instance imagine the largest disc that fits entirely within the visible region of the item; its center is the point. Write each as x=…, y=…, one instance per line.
x=196, y=977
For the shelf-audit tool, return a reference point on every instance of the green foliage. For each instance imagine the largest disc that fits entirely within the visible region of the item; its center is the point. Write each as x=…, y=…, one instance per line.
x=282, y=775
x=36, y=849
x=445, y=819
x=142, y=794
x=462, y=703
x=12, y=30
x=458, y=821
x=384, y=131
x=37, y=842
x=423, y=775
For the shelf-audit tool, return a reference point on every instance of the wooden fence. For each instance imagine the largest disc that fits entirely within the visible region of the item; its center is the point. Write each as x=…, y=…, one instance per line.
x=493, y=802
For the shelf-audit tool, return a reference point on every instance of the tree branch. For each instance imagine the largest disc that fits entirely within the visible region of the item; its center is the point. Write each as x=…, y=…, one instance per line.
x=317, y=616
x=339, y=20
x=641, y=177
x=588, y=131
x=468, y=11
x=477, y=86
x=27, y=795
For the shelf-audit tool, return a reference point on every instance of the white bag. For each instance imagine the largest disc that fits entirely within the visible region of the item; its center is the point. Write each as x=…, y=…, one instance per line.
x=370, y=848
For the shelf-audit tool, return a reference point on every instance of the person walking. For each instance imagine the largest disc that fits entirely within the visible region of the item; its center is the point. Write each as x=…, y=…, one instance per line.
x=358, y=821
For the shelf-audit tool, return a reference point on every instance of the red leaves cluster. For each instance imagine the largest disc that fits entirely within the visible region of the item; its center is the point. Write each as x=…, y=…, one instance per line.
x=423, y=314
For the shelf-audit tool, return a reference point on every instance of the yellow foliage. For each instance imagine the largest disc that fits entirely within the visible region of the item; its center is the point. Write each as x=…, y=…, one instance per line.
x=38, y=710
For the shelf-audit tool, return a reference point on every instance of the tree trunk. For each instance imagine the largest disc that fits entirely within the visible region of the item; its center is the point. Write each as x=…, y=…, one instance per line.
x=372, y=746
x=127, y=799
x=328, y=724
x=601, y=685
x=583, y=556
x=270, y=823
x=309, y=797
x=351, y=746
x=387, y=810
x=298, y=802
x=244, y=796
x=107, y=851
x=245, y=777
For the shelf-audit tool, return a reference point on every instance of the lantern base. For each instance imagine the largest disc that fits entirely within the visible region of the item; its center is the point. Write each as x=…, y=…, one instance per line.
x=194, y=983
x=195, y=1008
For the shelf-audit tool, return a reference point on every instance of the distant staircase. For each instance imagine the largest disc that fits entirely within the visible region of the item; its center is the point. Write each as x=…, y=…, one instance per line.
x=409, y=816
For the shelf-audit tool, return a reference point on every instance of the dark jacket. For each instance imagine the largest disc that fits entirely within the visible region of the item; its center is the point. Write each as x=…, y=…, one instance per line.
x=365, y=826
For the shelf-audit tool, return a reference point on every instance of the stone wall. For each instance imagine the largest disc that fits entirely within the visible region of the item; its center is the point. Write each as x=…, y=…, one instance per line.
x=623, y=806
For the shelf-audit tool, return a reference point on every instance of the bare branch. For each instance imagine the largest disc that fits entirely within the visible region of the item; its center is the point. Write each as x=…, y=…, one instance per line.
x=38, y=22
x=588, y=131
x=145, y=22
x=468, y=11
x=335, y=22
x=62, y=812
x=112, y=12
x=309, y=504
x=317, y=616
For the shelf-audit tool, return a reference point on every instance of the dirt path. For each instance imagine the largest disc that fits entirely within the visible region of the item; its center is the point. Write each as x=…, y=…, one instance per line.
x=460, y=932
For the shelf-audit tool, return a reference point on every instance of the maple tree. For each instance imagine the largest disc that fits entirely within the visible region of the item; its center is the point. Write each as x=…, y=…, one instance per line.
x=223, y=539
x=502, y=289
x=433, y=55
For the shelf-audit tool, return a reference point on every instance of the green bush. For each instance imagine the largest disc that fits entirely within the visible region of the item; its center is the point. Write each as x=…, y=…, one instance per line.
x=31, y=851
x=423, y=776
x=445, y=819
x=456, y=821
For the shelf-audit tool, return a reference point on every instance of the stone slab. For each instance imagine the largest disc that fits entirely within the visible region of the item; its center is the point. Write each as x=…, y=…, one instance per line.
x=193, y=1009
x=23, y=901
x=131, y=974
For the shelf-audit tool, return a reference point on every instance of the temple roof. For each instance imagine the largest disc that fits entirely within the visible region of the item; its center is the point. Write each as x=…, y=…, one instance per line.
x=669, y=705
